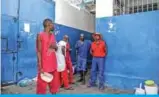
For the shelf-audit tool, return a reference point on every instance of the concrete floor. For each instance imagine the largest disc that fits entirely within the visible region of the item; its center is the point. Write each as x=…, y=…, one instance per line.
x=78, y=89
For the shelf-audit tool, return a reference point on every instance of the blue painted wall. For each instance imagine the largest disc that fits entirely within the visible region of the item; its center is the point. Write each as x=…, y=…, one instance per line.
x=133, y=48
x=74, y=36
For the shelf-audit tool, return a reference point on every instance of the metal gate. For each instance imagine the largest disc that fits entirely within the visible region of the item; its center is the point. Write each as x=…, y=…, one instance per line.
x=9, y=49
x=18, y=36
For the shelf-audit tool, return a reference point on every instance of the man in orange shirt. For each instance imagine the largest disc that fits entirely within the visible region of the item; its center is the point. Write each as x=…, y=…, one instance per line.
x=98, y=51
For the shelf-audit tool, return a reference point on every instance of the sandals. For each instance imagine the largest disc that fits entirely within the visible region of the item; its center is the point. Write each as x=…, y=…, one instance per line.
x=72, y=82
x=90, y=86
x=69, y=88
x=61, y=86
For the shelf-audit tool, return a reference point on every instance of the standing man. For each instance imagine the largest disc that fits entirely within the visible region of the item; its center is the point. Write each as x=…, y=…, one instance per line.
x=46, y=46
x=82, y=46
x=98, y=51
x=64, y=79
x=69, y=62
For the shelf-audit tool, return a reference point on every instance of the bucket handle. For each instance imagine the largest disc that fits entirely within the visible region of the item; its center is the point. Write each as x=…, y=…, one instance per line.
x=140, y=85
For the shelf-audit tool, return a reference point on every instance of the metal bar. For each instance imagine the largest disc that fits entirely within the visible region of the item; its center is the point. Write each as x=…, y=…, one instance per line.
x=137, y=6
x=158, y=5
x=142, y=6
x=128, y=7
x=120, y=7
x=124, y=7
x=116, y=8
x=133, y=6
x=152, y=5
x=147, y=5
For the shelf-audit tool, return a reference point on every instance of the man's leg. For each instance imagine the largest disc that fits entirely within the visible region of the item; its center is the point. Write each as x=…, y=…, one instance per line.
x=70, y=68
x=93, y=77
x=61, y=80
x=65, y=80
x=101, y=72
x=55, y=83
x=78, y=64
x=41, y=86
x=79, y=61
x=84, y=67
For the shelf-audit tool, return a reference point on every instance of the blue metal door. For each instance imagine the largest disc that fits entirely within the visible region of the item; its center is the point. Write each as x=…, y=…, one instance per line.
x=9, y=49
x=32, y=13
x=18, y=40
x=9, y=41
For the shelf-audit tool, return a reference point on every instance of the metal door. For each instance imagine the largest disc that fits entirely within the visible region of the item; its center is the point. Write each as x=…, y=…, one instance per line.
x=31, y=15
x=9, y=49
x=18, y=45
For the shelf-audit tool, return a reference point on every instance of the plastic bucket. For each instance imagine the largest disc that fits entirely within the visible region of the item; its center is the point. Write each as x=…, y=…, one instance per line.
x=140, y=91
x=151, y=90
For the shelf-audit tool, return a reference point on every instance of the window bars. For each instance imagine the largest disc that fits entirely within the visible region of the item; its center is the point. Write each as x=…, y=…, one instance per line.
x=122, y=7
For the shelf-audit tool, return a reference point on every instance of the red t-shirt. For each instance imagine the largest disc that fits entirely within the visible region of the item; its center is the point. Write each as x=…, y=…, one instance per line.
x=98, y=49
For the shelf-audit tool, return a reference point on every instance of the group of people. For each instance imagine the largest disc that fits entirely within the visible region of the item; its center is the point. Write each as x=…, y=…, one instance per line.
x=54, y=58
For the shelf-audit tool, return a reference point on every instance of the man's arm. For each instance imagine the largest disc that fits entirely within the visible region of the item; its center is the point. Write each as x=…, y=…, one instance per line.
x=67, y=47
x=89, y=44
x=63, y=50
x=77, y=46
x=105, y=48
x=54, y=46
x=91, y=51
x=38, y=40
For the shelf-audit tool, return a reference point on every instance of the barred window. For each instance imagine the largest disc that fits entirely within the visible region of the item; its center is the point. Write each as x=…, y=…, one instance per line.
x=134, y=6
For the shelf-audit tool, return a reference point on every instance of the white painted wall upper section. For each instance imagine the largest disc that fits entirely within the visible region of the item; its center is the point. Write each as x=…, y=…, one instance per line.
x=104, y=8
x=73, y=17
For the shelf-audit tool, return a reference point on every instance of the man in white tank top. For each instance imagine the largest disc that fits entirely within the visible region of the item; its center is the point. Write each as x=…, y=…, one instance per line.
x=61, y=53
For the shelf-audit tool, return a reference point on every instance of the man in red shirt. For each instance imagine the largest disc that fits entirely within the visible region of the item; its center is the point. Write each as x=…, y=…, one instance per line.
x=98, y=51
x=69, y=62
x=46, y=46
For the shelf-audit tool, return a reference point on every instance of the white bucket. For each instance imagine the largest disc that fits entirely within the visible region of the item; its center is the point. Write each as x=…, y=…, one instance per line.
x=151, y=90
x=47, y=77
x=140, y=91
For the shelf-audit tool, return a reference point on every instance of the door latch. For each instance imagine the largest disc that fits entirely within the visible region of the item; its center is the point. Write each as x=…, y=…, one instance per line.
x=19, y=43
